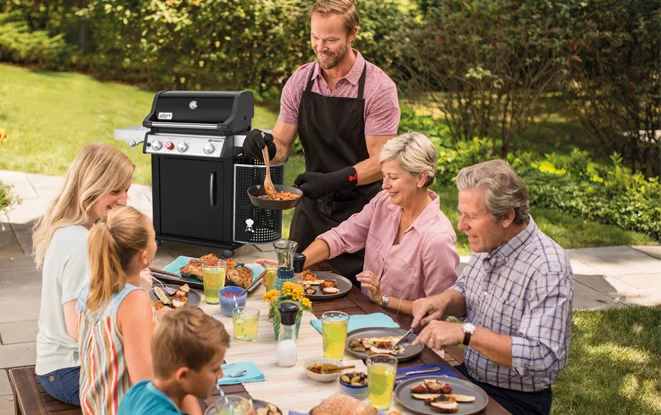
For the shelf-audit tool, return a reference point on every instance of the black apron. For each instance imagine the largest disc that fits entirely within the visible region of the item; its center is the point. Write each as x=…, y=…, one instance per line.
x=332, y=131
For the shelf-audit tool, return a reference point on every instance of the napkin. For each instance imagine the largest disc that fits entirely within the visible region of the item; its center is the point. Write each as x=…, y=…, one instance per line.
x=253, y=374
x=361, y=321
x=444, y=371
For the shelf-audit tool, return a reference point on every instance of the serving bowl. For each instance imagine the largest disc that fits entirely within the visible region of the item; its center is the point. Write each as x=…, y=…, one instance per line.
x=359, y=392
x=319, y=377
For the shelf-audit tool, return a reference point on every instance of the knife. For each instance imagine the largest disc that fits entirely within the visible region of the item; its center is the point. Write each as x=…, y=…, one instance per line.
x=403, y=339
x=417, y=372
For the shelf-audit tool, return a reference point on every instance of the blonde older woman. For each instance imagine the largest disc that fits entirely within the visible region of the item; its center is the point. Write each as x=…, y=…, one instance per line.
x=409, y=243
x=97, y=180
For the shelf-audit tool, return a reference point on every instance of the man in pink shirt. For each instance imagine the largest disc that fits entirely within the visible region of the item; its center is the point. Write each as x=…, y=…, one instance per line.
x=344, y=109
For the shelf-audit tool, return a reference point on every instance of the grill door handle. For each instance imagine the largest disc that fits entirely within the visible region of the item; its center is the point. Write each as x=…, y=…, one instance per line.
x=212, y=189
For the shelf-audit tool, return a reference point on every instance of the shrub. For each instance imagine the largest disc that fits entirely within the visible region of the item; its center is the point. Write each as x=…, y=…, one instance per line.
x=609, y=194
x=19, y=44
x=614, y=85
x=201, y=45
x=6, y=198
x=486, y=63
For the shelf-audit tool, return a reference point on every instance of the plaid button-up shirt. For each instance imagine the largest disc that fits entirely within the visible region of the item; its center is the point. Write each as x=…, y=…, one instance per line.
x=523, y=289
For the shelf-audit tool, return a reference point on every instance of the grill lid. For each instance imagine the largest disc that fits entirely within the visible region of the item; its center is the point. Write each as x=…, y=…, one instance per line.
x=225, y=112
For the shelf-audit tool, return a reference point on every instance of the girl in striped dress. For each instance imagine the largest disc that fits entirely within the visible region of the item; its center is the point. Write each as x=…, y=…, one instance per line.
x=115, y=315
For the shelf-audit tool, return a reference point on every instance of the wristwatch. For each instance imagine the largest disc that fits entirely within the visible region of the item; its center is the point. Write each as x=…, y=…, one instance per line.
x=384, y=301
x=468, y=329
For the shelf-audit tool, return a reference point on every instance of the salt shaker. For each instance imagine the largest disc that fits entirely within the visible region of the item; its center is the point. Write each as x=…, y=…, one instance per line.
x=287, y=351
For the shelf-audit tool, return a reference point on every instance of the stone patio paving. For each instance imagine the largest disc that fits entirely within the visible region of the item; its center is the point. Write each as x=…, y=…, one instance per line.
x=616, y=276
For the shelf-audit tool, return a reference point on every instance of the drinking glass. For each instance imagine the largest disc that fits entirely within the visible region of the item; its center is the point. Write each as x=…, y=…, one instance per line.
x=269, y=278
x=246, y=321
x=214, y=280
x=381, y=370
x=235, y=405
x=334, y=333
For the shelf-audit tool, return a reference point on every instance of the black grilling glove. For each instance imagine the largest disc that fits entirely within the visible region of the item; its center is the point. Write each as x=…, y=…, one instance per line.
x=317, y=185
x=254, y=143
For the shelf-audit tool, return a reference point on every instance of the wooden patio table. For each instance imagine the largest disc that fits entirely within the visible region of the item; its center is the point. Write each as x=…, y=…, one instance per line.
x=281, y=383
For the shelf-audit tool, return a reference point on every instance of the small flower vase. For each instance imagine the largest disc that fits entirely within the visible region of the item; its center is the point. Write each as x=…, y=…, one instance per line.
x=275, y=319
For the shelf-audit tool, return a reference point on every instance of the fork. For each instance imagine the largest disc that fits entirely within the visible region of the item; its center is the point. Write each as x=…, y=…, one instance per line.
x=158, y=281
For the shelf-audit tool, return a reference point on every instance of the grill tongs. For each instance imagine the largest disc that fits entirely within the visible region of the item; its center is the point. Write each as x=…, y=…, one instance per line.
x=171, y=278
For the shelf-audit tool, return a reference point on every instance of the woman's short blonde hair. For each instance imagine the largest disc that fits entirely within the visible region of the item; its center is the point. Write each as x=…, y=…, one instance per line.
x=346, y=8
x=187, y=338
x=504, y=190
x=98, y=168
x=415, y=153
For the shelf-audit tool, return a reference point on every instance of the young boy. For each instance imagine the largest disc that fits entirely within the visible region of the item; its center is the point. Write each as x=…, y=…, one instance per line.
x=187, y=349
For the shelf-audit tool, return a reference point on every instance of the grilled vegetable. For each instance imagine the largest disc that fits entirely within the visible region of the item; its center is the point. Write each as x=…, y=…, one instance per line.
x=162, y=295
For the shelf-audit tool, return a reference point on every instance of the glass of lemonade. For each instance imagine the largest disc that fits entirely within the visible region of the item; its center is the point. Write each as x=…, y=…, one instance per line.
x=269, y=278
x=246, y=321
x=334, y=333
x=381, y=370
x=234, y=405
x=214, y=280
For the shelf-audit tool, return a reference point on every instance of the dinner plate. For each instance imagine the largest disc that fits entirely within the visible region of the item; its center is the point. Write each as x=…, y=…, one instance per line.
x=175, y=265
x=459, y=386
x=194, y=297
x=343, y=284
x=410, y=351
x=258, y=403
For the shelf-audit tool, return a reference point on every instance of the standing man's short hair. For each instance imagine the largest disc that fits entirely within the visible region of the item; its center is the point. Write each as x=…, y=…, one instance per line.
x=346, y=8
x=504, y=190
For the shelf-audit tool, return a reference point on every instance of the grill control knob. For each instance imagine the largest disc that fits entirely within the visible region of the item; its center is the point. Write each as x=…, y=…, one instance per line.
x=132, y=143
x=169, y=145
x=156, y=145
x=208, y=148
x=181, y=146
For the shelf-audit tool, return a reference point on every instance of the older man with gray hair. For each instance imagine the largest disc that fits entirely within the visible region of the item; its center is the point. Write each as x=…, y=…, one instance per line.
x=515, y=294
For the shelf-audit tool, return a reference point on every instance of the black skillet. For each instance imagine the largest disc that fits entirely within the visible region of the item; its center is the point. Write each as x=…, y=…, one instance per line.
x=259, y=198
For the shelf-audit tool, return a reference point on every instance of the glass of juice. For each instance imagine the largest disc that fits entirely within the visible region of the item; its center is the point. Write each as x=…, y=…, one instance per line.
x=246, y=321
x=381, y=370
x=234, y=405
x=334, y=333
x=269, y=278
x=214, y=280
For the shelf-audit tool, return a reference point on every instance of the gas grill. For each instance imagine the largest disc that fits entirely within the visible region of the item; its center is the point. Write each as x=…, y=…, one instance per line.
x=200, y=177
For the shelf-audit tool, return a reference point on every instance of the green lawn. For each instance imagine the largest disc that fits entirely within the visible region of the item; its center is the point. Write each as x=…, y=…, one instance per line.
x=50, y=116
x=614, y=364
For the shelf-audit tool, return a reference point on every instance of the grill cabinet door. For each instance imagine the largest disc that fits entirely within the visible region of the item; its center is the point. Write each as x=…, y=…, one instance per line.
x=195, y=199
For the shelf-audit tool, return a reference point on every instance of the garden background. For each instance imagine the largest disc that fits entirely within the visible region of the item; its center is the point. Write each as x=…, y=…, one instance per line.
x=567, y=91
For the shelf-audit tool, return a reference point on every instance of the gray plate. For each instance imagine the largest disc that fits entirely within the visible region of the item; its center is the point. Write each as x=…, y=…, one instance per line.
x=459, y=386
x=194, y=297
x=343, y=284
x=410, y=352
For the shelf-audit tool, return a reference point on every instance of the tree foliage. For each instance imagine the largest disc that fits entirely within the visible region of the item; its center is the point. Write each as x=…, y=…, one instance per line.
x=485, y=64
x=200, y=44
x=615, y=88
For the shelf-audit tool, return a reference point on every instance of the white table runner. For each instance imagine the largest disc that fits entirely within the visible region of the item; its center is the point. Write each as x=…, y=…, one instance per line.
x=286, y=387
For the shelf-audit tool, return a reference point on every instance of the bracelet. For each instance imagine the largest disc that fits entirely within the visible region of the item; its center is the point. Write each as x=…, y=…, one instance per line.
x=399, y=306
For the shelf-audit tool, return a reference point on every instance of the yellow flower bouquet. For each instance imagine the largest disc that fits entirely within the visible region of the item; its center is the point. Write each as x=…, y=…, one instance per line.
x=291, y=293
